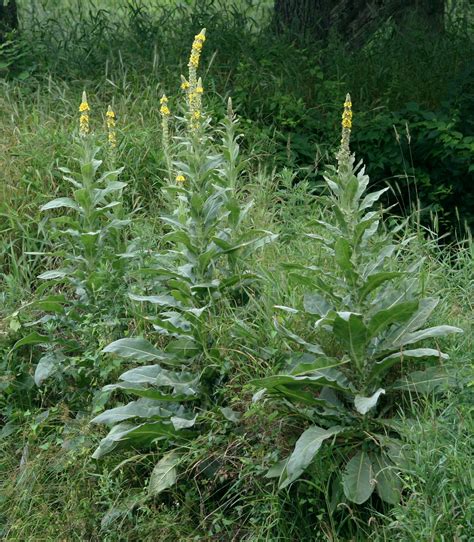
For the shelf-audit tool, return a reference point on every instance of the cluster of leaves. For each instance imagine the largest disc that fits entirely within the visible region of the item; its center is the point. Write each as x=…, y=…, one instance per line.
x=202, y=273
x=88, y=242
x=369, y=318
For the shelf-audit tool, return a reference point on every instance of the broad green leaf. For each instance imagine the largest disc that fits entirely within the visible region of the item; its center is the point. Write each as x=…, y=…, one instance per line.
x=383, y=365
x=358, y=478
x=183, y=423
x=143, y=408
x=276, y=470
x=396, y=314
x=430, y=380
x=315, y=303
x=47, y=366
x=132, y=435
x=352, y=334
x=306, y=448
x=60, y=202
x=230, y=414
x=425, y=308
x=148, y=392
x=364, y=404
x=375, y=280
x=330, y=378
x=138, y=349
x=370, y=199
x=164, y=474
x=437, y=331
x=32, y=338
x=388, y=484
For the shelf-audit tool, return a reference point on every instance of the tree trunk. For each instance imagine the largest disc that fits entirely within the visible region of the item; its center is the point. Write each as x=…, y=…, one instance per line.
x=8, y=18
x=354, y=20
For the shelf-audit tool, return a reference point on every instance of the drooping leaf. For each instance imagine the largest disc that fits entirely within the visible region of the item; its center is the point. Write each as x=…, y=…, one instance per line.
x=383, y=365
x=143, y=408
x=315, y=303
x=305, y=450
x=60, y=202
x=428, y=333
x=134, y=435
x=430, y=380
x=47, y=365
x=358, y=478
x=364, y=404
x=388, y=484
x=164, y=474
x=137, y=348
x=31, y=338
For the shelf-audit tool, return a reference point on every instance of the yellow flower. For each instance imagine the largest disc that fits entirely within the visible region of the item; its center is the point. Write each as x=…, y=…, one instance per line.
x=197, y=115
x=199, y=90
x=84, y=117
x=344, y=152
x=180, y=178
x=164, y=109
x=184, y=85
x=111, y=122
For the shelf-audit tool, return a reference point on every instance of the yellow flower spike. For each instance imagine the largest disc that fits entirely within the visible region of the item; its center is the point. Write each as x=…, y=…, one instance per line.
x=84, y=117
x=180, y=178
x=193, y=86
x=111, y=123
x=344, y=151
x=164, y=109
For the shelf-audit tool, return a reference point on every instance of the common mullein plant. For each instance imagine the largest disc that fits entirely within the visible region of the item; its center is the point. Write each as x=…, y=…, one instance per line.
x=87, y=239
x=369, y=318
x=195, y=279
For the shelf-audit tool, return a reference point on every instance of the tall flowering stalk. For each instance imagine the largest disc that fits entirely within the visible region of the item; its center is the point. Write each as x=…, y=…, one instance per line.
x=165, y=132
x=344, y=152
x=84, y=117
x=111, y=127
x=193, y=85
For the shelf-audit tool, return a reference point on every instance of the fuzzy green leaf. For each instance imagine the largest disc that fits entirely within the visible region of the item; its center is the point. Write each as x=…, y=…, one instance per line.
x=358, y=478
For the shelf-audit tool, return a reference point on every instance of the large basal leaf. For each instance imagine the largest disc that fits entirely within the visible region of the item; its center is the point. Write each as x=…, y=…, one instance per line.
x=364, y=404
x=383, y=365
x=133, y=435
x=143, y=408
x=330, y=378
x=358, y=478
x=160, y=300
x=352, y=334
x=47, y=366
x=388, y=484
x=183, y=383
x=315, y=303
x=430, y=380
x=148, y=392
x=164, y=474
x=306, y=448
x=138, y=349
x=54, y=274
x=428, y=333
